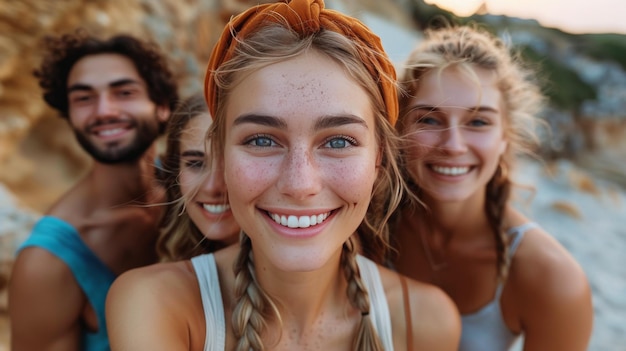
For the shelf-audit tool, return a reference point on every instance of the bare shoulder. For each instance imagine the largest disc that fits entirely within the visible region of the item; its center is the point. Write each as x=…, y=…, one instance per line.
x=161, y=288
x=72, y=203
x=426, y=298
x=435, y=320
x=543, y=269
x=167, y=278
x=549, y=295
x=162, y=299
x=162, y=291
x=38, y=271
x=542, y=266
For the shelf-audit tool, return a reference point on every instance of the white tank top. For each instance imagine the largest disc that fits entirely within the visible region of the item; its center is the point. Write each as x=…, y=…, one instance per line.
x=485, y=329
x=215, y=338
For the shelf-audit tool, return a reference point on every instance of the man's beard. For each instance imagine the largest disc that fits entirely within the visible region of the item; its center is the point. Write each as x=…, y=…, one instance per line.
x=113, y=153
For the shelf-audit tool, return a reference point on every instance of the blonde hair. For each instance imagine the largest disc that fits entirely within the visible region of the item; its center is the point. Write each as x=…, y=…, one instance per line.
x=467, y=47
x=275, y=43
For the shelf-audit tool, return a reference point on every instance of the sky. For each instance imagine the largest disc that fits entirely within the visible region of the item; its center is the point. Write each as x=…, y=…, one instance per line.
x=574, y=16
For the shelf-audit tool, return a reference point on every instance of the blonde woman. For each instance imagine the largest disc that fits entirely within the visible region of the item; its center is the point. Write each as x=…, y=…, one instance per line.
x=467, y=109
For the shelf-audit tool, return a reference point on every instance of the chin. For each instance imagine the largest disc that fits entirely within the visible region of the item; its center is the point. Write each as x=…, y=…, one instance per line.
x=305, y=260
x=448, y=197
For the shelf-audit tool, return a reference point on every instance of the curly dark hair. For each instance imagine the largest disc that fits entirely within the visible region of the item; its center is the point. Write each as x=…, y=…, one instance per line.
x=61, y=53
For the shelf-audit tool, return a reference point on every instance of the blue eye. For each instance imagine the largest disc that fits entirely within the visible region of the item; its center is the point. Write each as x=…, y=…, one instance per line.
x=261, y=141
x=478, y=123
x=341, y=142
x=337, y=143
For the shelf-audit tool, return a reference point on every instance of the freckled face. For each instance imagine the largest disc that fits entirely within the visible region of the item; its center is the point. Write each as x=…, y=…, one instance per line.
x=300, y=160
x=205, y=194
x=455, y=130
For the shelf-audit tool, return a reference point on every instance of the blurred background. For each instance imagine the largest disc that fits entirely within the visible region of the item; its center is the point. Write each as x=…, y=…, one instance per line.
x=575, y=188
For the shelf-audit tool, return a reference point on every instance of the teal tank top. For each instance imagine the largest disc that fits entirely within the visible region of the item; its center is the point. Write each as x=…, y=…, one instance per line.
x=93, y=276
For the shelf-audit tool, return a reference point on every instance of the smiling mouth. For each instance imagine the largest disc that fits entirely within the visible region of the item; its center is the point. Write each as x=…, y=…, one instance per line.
x=450, y=171
x=216, y=209
x=110, y=132
x=292, y=221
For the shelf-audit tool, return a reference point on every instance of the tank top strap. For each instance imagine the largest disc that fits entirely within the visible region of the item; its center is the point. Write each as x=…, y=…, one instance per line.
x=208, y=280
x=516, y=234
x=379, y=308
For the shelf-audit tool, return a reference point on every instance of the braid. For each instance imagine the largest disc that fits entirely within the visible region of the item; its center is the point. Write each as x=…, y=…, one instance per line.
x=498, y=191
x=252, y=303
x=366, y=338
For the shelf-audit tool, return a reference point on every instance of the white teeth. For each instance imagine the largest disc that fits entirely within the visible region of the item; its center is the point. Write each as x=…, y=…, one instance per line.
x=299, y=222
x=451, y=171
x=292, y=222
x=216, y=209
x=110, y=132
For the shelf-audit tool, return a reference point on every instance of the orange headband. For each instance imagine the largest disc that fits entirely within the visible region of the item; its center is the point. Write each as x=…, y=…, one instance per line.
x=306, y=17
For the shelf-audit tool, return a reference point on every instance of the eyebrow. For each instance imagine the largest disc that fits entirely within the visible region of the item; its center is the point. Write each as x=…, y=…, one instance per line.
x=113, y=84
x=327, y=121
x=337, y=121
x=436, y=108
x=263, y=120
x=192, y=153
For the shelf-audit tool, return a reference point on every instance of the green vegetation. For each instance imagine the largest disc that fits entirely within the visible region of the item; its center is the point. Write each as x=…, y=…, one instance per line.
x=565, y=89
x=562, y=85
x=606, y=47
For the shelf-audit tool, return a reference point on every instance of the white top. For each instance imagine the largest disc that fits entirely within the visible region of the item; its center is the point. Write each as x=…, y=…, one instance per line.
x=215, y=339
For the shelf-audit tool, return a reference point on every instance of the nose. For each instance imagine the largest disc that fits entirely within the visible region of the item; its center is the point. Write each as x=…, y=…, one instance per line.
x=453, y=140
x=106, y=106
x=213, y=184
x=300, y=175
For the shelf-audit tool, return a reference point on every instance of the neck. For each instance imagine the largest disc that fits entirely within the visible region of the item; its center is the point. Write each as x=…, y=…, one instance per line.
x=305, y=299
x=125, y=182
x=461, y=219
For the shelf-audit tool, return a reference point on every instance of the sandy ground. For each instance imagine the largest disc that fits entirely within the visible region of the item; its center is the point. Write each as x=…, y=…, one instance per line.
x=586, y=216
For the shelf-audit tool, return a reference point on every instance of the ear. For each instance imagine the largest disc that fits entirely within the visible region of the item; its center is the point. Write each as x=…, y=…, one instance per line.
x=163, y=113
